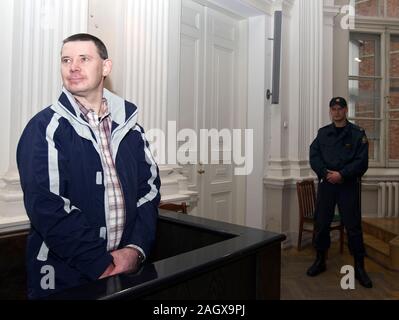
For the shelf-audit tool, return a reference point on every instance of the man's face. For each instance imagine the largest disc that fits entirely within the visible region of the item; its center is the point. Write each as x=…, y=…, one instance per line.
x=82, y=68
x=338, y=113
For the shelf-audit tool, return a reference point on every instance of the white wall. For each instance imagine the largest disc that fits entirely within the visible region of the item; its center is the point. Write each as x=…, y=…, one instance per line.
x=5, y=81
x=258, y=46
x=306, y=84
x=142, y=37
x=314, y=68
x=341, y=49
x=32, y=32
x=31, y=36
x=136, y=33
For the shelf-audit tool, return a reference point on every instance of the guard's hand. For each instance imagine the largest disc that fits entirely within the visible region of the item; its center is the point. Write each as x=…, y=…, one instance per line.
x=125, y=260
x=334, y=177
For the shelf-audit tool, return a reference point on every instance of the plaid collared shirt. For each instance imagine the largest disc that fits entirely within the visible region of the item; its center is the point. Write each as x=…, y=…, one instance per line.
x=116, y=203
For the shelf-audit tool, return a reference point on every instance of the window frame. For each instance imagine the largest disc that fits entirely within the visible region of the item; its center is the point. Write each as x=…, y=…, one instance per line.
x=383, y=10
x=384, y=27
x=389, y=33
x=382, y=148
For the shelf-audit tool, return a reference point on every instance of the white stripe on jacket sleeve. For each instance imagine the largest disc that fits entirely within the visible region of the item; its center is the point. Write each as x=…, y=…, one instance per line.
x=53, y=170
x=54, y=175
x=153, y=169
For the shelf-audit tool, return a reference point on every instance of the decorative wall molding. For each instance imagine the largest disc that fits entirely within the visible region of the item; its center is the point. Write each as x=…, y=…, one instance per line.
x=13, y=224
x=145, y=54
x=376, y=22
x=285, y=6
x=140, y=44
x=38, y=29
x=330, y=12
x=299, y=116
x=381, y=174
x=236, y=9
x=311, y=72
x=278, y=168
x=258, y=48
x=265, y=6
x=296, y=120
x=279, y=183
x=11, y=190
x=175, y=13
x=279, y=113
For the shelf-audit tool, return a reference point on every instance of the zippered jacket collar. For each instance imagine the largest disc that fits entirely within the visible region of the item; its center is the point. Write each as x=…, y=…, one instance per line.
x=123, y=113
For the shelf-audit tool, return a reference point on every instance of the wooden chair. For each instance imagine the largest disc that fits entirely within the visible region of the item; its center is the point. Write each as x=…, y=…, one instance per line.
x=182, y=208
x=307, y=201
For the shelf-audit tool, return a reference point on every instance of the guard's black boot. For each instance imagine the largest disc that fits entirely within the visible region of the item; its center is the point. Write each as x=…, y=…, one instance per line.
x=361, y=274
x=319, y=265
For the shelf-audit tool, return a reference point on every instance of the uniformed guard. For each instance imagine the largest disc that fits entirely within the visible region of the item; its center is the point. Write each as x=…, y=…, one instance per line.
x=339, y=156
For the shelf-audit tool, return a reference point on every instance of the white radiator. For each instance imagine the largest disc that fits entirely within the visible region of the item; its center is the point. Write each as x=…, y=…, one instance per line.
x=388, y=199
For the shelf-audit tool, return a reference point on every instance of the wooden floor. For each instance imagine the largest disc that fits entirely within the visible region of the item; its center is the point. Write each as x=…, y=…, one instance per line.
x=296, y=285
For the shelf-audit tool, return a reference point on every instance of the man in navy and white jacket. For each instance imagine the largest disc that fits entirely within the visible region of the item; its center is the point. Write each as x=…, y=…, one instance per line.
x=91, y=186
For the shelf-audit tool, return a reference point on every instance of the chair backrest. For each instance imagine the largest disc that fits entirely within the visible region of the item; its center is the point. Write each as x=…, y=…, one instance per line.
x=306, y=198
x=174, y=207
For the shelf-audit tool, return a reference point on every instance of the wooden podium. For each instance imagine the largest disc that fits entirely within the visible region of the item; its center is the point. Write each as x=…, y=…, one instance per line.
x=196, y=258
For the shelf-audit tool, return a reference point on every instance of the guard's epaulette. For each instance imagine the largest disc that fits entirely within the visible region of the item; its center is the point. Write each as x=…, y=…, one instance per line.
x=354, y=126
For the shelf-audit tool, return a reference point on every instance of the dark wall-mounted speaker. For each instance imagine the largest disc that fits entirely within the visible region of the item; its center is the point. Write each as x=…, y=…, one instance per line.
x=276, y=57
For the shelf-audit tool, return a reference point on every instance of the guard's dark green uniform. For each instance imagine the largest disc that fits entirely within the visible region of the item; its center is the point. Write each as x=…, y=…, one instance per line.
x=347, y=152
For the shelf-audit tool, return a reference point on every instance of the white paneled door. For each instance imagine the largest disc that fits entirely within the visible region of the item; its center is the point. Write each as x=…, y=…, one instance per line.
x=210, y=90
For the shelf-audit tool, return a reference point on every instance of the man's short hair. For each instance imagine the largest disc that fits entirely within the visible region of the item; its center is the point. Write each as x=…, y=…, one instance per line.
x=101, y=48
x=338, y=101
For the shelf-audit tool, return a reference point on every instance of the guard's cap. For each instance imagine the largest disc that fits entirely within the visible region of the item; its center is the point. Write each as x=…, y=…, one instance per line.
x=338, y=101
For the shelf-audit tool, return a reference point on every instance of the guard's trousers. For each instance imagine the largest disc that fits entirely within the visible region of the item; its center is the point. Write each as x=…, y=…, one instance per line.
x=347, y=197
